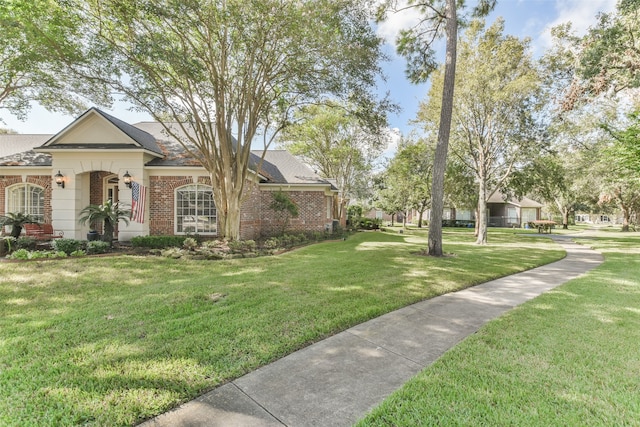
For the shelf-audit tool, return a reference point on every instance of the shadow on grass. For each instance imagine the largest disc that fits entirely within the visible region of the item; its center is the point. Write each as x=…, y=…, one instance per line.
x=116, y=340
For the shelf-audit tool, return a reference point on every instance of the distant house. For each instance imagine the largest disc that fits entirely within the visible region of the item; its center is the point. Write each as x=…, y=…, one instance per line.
x=92, y=156
x=502, y=212
x=512, y=212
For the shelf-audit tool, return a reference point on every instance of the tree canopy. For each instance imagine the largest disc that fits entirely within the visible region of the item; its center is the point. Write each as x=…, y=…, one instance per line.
x=219, y=74
x=493, y=128
x=338, y=145
x=39, y=39
x=437, y=18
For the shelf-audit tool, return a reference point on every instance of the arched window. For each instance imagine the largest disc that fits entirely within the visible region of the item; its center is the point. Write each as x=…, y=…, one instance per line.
x=195, y=210
x=27, y=199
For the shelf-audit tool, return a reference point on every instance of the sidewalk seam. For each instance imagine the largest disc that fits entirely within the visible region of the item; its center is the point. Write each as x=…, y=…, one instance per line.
x=258, y=403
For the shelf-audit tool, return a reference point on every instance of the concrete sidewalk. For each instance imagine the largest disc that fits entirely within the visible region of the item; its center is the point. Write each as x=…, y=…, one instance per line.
x=337, y=381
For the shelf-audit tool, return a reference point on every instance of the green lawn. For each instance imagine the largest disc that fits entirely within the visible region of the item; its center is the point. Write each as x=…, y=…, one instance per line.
x=114, y=340
x=567, y=358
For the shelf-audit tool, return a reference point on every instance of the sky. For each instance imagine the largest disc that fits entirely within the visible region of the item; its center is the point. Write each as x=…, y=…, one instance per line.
x=523, y=18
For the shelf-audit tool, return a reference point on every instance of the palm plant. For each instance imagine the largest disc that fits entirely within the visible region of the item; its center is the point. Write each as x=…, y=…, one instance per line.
x=16, y=220
x=108, y=213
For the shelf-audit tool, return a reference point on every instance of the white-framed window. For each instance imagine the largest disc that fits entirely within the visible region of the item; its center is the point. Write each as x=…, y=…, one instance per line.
x=529, y=214
x=195, y=210
x=27, y=199
x=463, y=215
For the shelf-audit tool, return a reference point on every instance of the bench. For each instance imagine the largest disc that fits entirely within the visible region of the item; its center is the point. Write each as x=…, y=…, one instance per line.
x=42, y=231
x=543, y=226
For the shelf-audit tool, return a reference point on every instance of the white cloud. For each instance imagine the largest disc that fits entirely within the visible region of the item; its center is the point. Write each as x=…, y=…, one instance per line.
x=395, y=135
x=390, y=28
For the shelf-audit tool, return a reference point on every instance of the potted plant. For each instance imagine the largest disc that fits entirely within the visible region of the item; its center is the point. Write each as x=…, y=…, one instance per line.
x=16, y=220
x=109, y=214
x=93, y=235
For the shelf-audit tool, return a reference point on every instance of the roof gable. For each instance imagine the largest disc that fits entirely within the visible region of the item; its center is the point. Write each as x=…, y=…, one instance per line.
x=97, y=129
x=523, y=202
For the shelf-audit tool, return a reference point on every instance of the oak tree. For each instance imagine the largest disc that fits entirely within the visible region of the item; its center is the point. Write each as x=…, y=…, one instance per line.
x=220, y=74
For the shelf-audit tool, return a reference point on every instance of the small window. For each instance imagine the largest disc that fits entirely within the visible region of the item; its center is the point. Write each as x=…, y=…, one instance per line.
x=195, y=210
x=27, y=199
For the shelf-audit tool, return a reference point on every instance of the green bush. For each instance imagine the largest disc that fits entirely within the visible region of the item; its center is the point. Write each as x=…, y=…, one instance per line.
x=19, y=254
x=7, y=244
x=25, y=242
x=369, y=223
x=98, y=247
x=190, y=243
x=354, y=215
x=67, y=246
x=158, y=242
x=271, y=243
x=79, y=252
x=242, y=246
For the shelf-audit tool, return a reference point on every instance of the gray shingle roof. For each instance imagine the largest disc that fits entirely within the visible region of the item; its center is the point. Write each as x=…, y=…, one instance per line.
x=278, y=166
x=17, y=143
x=524, y=202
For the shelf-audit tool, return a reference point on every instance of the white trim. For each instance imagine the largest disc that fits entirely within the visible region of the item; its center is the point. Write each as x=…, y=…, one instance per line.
x=175, y=211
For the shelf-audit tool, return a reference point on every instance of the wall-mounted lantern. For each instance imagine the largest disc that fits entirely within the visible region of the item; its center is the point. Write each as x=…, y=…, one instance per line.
x=127, y=179
x=59, y=179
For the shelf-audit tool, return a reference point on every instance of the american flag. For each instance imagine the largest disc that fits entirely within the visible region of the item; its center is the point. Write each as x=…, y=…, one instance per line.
x=138, y=200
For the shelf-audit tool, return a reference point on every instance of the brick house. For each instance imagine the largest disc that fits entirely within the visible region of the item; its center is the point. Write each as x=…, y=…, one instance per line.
x=93, y=155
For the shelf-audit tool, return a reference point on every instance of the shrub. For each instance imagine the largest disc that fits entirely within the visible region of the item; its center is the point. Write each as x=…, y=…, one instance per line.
x=354, y=214
x=158, y=242
x=38, y=255
x=214, y=244
x=318, y=236
x=79, y=252
x=190, y=243
x=369, y=223
x=7, y=244
x=284, y=207
x=97, y=247
x=28, y=243
x=173, y=252
x=68, y=246
x=271, y=243
x=242, y=246
x=19, y=254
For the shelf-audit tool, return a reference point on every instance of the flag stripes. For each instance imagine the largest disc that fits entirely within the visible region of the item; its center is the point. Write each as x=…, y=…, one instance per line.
x=138, y=201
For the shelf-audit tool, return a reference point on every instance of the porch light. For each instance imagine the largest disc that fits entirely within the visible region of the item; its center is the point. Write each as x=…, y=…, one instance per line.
x=59, y=179
x=127, y=179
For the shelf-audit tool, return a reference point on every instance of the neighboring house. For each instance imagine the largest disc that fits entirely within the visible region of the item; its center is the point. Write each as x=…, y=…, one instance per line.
x=93, y=154
x=512, y=212
x=502, y=212
x=597, y=218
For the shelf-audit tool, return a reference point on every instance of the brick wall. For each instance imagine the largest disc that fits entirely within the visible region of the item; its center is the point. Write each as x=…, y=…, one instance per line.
x=250, y=212
x=96, y=195
x=43, y=181
x=312, y=213
x=162, y=202
x=256, y=218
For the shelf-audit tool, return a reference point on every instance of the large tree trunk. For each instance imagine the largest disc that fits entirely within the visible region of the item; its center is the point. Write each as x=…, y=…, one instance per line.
x=565, y=218
x=626, y=217
x=442, y=147
x=229, y=220
x=482, y=214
